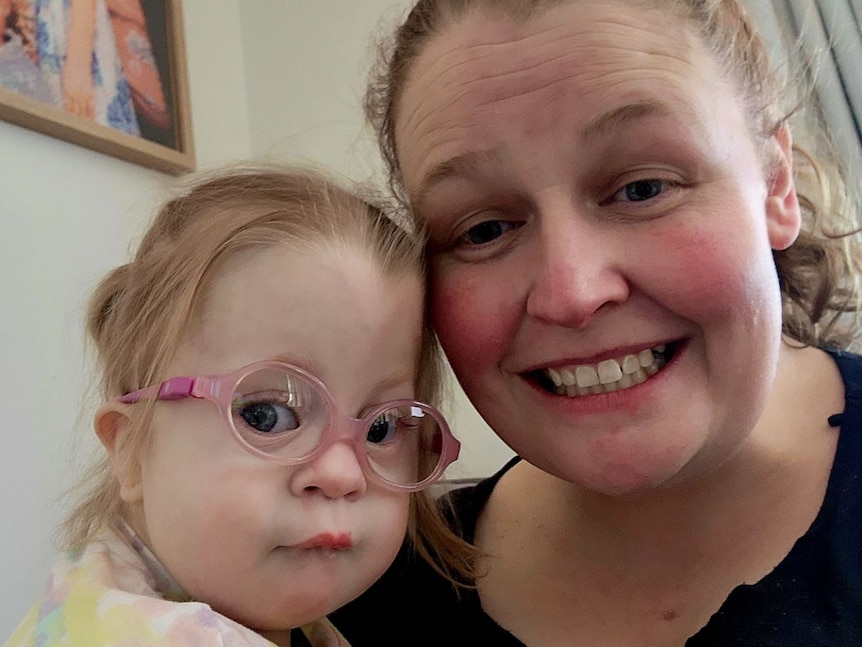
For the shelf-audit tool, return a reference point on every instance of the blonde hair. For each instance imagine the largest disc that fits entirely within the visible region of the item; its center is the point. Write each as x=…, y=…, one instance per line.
x=819, y=275
x=140, y=311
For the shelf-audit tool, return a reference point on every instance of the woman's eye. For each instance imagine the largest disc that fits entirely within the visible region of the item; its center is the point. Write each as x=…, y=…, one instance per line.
x=269, y=417
x=640, y=190
x=486, y=232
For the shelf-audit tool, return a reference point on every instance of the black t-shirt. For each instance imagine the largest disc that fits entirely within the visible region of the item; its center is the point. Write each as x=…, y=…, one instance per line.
x=812, y=598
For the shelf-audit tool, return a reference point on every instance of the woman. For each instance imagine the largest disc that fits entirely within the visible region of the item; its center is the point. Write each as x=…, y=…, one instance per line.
x=630, y=285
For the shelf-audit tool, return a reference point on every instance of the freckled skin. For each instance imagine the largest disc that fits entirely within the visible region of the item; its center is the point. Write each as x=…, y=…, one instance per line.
x=577, y=271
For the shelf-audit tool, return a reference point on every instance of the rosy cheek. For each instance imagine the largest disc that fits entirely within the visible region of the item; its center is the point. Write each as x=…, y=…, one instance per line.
x=467, y=321
x=710, y=273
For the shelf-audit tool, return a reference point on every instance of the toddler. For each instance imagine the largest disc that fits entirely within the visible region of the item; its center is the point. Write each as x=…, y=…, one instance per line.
x=266, y=366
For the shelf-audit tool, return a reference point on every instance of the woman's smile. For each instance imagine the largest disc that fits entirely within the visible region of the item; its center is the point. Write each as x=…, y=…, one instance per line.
x=618, y=373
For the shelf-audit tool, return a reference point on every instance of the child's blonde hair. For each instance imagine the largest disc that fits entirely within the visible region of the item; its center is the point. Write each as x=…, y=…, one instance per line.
x=140, y=311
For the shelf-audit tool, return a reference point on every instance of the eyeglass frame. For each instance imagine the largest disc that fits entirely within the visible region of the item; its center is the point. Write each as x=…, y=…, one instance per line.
x=219, y=389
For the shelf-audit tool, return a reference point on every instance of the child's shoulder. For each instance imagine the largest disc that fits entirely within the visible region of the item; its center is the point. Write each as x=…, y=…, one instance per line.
x=103, y=594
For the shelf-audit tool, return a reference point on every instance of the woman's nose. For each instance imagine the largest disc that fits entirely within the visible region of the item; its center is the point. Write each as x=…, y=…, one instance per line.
x=577, y=272
x=335, y=473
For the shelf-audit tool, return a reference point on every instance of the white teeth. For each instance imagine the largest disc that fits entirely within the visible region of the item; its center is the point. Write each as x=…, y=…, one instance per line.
x=631, y=365
x=586, y=376
x=645, y=358
x=609, y=375
x=609, y=371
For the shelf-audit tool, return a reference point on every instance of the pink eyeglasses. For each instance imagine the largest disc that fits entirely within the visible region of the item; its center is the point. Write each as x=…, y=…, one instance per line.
x=280, y=412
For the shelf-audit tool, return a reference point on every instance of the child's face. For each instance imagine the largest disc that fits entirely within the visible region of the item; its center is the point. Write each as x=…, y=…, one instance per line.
x=227, y=524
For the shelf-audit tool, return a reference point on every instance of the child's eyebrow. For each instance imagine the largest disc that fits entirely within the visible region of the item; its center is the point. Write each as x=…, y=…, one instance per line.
x=396, y=379
x=308, y=363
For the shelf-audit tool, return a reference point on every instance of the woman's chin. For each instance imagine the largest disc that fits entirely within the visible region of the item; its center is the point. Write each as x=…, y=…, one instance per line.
x=622, y=470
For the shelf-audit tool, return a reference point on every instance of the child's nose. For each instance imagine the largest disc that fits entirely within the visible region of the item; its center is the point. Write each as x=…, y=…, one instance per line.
x=335, y=473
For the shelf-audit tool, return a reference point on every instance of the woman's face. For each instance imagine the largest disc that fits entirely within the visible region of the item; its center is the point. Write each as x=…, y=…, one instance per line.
x=599, y=212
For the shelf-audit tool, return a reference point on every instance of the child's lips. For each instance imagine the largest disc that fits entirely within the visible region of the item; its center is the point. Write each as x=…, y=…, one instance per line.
x=327, y=541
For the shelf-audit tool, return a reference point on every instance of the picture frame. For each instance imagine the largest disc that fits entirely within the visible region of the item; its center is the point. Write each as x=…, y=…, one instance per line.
x=131, y=101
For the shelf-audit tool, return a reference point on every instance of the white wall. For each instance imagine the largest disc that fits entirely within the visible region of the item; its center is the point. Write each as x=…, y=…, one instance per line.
x=305, y=64
x=278, y=78
x=66, y=215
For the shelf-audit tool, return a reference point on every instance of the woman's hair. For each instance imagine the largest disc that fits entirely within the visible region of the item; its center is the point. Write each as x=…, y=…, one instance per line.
x=140, y=312
x=819, y=274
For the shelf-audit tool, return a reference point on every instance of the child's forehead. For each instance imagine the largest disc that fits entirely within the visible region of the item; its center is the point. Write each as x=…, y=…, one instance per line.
x=300, y=300
x=293, y=259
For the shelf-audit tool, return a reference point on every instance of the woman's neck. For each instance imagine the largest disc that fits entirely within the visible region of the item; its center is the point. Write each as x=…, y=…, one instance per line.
x=672, y=553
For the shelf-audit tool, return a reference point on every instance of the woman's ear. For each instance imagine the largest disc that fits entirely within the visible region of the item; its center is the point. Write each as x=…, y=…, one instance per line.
x=783, y=216
x=113, y=425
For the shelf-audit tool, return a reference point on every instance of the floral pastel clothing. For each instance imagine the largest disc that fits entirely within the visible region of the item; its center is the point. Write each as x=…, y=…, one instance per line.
x=113, y=593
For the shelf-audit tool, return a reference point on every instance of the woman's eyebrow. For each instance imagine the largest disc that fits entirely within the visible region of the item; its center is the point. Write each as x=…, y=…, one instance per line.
x=458, y=166
x=469, y=163
x=617, y=117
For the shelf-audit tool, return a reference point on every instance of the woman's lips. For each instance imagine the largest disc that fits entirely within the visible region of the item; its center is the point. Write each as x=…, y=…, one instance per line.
x=328, y=541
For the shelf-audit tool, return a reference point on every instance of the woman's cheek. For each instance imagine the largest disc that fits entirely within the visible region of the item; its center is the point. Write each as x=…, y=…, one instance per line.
x=468, y=321
x=710, y=274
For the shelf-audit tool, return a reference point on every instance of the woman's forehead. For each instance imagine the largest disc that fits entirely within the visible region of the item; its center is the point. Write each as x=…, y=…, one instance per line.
x=489, y=43
x=573, y=63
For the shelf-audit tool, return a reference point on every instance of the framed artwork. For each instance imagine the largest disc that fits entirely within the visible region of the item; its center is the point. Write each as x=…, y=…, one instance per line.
x=109, y=75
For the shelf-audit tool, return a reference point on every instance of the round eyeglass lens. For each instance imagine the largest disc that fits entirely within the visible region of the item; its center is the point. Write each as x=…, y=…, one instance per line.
x=279, y=412
x=404, y=444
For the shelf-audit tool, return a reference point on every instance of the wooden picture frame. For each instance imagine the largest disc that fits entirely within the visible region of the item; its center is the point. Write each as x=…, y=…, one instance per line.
x=35, y=93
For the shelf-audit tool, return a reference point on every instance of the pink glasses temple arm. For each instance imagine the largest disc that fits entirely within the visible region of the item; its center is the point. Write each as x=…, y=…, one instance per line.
x=175, y=388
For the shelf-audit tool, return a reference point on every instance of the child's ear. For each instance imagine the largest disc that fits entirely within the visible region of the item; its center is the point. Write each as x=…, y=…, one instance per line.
x=783, y=216
x=113, y=426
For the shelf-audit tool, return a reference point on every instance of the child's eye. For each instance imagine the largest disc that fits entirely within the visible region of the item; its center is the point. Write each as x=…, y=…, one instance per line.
x=385, y=427
x=269, y=417
x=640, y=190
x=382, y=429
